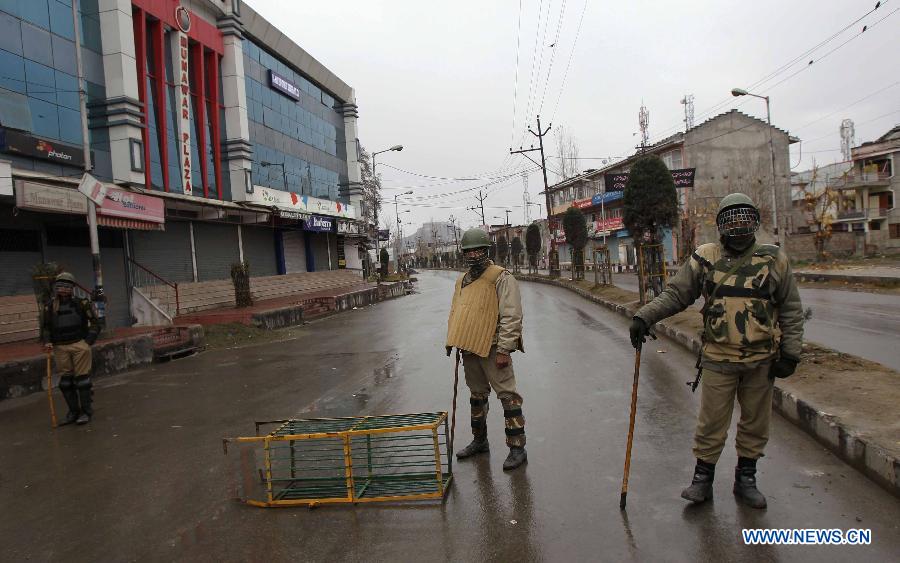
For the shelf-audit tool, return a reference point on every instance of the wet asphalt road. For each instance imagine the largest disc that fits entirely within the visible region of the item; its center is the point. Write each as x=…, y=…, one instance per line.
x=854, y=322
x=145, y=480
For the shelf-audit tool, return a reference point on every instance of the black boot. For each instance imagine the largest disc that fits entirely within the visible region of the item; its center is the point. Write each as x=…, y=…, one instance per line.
x=84, y=386
x=67, y=388
x=517, y=456
x=745, y=484
x=700, y=489
x=476, y=447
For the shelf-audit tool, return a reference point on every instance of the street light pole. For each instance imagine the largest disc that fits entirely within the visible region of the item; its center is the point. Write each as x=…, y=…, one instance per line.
x=375, y=209
x=741, y=92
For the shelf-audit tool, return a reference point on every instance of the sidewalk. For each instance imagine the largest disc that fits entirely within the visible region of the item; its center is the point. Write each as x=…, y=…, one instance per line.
x=878, y=275
x=847, y=403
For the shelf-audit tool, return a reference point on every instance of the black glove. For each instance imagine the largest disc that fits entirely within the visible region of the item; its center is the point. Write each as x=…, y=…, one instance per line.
x=449, y=350
x=783, y=367
x=639, y=332
x=91, y=338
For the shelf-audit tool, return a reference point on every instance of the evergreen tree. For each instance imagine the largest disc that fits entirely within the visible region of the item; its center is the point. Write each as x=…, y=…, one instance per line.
x=533, y=244
x=576, y=237
x=385, y=258
x=650, y=201
x=502, y=248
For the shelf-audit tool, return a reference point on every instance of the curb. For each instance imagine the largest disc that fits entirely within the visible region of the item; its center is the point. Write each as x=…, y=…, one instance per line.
x=869, y=458
x=885, y=281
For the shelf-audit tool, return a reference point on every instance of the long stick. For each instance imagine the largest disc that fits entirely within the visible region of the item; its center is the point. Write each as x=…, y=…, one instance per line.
x=453, y=416
x=50, y=393
x=634, y=389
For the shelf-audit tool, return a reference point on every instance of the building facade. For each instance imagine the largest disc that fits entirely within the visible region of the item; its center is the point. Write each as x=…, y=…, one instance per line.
x=724, y=154
x=221, y=138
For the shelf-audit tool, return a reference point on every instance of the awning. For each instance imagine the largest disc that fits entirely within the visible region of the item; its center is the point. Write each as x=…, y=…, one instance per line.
x=133, y=224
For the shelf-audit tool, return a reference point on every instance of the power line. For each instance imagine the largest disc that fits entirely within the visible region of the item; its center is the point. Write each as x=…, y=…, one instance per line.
x=562, y=13
x=717, y=106
x=455, y=179
x=569, y=64
x=512, y=132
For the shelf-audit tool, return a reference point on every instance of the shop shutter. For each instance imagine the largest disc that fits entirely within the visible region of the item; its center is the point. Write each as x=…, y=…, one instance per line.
x=259, y=250
x=294, y=252
x=217, y=249
x=166, y=253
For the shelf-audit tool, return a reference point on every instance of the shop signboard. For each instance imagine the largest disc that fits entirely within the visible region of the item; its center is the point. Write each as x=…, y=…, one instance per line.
x=348, y=228
x=683, y=177
x=20, y=143
x=606, y=197
x=128, y=205
x=283, y=85
x=50, y=199
x=292, y=201
x=318, y=224
x=582, y=203
x=93, y=189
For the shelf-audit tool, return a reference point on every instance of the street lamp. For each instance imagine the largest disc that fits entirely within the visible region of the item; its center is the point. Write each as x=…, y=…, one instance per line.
x=265, y=164
x=741, y=92
x=375, y=207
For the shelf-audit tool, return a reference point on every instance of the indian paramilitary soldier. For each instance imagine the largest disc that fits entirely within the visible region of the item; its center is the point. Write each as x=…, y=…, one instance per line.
x=69, y=328
x=752, y=333
x=485, y=324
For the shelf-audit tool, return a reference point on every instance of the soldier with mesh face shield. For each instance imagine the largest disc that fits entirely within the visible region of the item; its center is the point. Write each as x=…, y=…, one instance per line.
x=485, y=324
x=752, y=333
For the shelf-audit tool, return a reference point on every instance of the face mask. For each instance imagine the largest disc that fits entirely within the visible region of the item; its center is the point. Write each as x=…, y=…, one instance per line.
x=739, y=243
x=477, y=262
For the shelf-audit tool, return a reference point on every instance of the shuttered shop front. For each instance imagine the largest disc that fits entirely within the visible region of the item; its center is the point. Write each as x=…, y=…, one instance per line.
x=217, y=249
x=259, y=250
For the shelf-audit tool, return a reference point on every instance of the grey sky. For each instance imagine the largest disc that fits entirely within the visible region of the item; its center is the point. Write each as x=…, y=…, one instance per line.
x=439, y=78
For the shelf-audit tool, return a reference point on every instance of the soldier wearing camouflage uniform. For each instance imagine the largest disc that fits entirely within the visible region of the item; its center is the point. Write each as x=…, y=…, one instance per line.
x=485, y=324
x=752, y=333
x=69, y=329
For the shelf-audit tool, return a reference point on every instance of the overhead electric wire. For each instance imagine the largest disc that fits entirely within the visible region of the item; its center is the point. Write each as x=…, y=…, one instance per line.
x=512, y=132
x=562, y=13
x=569, y=64
x=717, y=106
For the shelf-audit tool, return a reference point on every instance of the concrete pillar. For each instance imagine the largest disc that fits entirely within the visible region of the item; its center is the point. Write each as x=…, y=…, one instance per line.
x=353, y=191
x=121, y=112
x=237, y=151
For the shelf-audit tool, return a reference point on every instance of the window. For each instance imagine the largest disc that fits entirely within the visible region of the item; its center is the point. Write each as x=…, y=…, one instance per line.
x=895, y=230
x=12, y=72
x=61, y=20
x=875, y=226
x=36, y=12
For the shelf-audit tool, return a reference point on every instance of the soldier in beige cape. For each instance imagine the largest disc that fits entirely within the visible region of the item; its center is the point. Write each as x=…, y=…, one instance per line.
x=485, y=324
x=752, y=333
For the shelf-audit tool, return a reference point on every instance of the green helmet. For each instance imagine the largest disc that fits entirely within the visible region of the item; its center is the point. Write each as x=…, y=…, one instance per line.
x=734, y=200
x=65, y=277
x=475, y=238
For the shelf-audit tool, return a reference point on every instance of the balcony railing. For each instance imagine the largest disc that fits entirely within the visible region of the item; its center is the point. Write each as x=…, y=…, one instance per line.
x=860, y=179
x=860, y=214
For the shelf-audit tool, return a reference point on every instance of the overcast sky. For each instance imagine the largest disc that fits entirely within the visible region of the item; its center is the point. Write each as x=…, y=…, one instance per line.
x=440, y=78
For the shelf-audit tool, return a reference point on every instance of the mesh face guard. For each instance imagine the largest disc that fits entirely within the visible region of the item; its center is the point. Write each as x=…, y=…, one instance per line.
x=738, y=221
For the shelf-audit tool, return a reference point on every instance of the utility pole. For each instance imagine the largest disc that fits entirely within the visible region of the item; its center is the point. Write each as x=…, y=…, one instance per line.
x=455, y=232
x=99, y=296
x=554, y=257
x=507, y=219
x=480, y=199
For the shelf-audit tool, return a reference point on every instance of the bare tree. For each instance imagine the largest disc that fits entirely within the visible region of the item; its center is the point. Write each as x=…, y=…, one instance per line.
x=567, y=151
x=820, y=202
x=371, y=188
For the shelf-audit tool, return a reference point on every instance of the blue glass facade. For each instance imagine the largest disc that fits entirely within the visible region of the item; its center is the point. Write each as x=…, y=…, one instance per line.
x=305, y=136
x=38, y=84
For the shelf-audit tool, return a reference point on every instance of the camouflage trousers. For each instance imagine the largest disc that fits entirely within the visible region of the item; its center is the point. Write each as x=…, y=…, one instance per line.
x=753, y=390
x=482, y=375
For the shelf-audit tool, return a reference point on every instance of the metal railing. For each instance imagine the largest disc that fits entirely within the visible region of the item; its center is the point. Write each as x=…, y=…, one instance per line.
x=870, y=213
x=141, y=276
x=859, y=179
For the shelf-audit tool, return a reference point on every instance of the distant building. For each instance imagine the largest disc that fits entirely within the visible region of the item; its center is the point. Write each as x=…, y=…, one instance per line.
x=728, y=153
x=866, y=201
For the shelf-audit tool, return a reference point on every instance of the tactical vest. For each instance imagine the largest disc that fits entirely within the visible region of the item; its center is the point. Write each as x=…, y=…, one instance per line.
x=474, y=313
x=740, y=313
x=66, y=323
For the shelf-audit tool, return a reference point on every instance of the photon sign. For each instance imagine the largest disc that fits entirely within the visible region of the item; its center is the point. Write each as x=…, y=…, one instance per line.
x=280, y=83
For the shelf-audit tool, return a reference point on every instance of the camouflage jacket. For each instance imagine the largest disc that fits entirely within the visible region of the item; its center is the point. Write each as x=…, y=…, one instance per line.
x=755, y=313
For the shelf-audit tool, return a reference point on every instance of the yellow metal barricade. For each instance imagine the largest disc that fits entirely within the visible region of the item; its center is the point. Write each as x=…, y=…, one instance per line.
x=344, y=460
